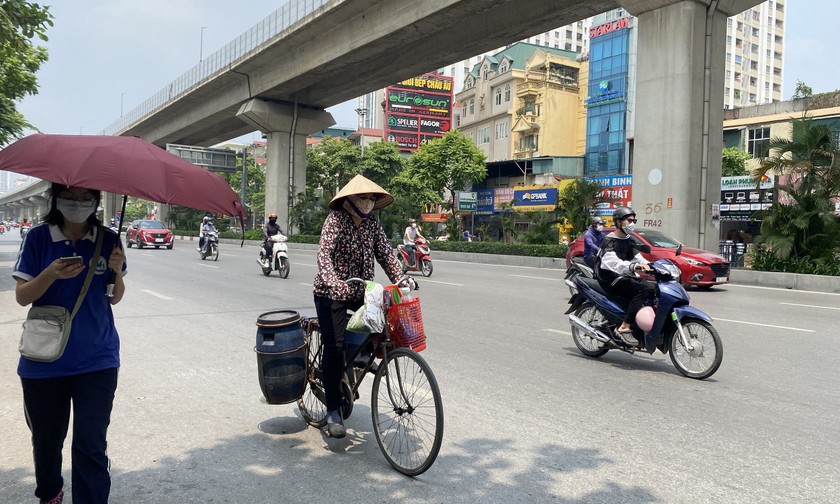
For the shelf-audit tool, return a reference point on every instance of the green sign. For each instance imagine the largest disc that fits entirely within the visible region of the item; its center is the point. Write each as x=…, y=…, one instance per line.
x=467, y=201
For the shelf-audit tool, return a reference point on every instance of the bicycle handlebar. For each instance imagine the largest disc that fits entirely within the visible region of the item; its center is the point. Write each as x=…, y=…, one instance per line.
x=398, y=282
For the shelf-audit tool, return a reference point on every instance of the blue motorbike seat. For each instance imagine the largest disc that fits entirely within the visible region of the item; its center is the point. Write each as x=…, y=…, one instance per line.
x=596, y=286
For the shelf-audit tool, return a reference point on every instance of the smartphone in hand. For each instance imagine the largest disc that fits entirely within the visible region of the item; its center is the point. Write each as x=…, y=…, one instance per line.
x=71, y=260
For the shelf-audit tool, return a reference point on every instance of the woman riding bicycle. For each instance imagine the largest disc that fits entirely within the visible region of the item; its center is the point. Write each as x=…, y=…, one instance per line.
x=350, y=241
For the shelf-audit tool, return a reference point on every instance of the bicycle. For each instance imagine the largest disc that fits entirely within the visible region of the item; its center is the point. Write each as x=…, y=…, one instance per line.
x=406, y=406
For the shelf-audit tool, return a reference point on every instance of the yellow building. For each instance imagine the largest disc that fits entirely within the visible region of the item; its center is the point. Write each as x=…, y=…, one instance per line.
x=526, y=103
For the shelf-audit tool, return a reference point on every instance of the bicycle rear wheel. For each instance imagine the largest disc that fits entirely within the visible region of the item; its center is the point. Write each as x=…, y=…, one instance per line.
x=407, y=412
x=313, y=404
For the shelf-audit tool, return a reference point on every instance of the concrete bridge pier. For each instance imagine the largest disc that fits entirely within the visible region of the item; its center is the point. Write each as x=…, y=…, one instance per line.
x=286, y=128
x=679, y=114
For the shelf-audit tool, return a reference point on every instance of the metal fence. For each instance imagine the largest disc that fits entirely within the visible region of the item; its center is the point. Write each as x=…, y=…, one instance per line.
x=733, y=252
x=220, y=61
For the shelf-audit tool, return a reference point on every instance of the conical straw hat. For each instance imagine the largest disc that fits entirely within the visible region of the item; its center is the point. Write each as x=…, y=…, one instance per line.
x=361, y=185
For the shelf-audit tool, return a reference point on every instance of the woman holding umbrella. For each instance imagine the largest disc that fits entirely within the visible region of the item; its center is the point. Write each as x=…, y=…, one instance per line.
x=85, y=375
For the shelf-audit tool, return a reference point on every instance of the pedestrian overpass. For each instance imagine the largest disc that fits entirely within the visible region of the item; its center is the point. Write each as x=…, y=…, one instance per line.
x=312, y=54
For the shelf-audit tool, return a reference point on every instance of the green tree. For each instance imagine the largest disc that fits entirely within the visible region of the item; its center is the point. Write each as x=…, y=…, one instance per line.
x=808, y=172
x=734, y=162
x=330, y=164
x=254, y=185
x=20, y=59
x=576, y=203
x=802, y=90
x=441, y=167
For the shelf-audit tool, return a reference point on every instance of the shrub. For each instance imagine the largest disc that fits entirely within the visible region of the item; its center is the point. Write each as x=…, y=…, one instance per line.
x=764, y=260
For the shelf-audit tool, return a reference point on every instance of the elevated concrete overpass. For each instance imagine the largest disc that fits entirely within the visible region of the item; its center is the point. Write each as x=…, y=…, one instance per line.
x=311, y=54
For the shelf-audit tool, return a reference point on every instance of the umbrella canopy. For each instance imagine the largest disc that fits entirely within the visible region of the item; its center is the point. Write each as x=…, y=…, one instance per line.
x=122, y=165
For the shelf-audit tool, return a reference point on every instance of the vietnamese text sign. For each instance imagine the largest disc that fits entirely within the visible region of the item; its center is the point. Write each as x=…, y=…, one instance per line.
x=618, y=189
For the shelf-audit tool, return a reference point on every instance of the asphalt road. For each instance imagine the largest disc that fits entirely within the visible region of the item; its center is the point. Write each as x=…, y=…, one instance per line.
x=528, y=418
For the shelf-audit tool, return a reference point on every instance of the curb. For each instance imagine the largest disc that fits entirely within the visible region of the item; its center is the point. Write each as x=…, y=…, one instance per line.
x=793, y=281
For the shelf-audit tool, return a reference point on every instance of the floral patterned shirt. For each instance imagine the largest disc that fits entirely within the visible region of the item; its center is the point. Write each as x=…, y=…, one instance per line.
x=348, y=251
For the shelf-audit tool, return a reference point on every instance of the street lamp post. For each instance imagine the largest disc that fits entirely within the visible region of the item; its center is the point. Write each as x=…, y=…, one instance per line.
x=201, y=46
x=122, y=95
x=362, y=113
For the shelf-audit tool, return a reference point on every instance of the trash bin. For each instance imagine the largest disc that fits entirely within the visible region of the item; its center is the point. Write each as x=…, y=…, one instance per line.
x=281, y=356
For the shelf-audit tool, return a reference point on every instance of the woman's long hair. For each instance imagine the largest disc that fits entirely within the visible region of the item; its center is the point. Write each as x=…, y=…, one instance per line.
x=56, y=217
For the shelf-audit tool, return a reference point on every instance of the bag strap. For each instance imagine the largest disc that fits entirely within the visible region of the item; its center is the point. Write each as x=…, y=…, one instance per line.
x=100, y=236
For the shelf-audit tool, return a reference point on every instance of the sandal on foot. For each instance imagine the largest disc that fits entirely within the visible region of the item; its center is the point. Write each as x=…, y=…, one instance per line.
x=627, y=337
x=336, y=430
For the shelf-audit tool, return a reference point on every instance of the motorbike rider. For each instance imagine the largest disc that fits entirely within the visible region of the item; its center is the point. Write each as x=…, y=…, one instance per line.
x=409, y=237
x=615, y=270
x=592, y=239
x=270, y=229
x=206, y=227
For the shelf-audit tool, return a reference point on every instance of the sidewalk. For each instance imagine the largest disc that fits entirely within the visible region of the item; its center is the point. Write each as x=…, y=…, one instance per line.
x=818, y=283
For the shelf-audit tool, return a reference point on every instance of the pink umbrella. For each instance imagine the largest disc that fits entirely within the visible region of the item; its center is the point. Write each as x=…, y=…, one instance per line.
x=122, y=165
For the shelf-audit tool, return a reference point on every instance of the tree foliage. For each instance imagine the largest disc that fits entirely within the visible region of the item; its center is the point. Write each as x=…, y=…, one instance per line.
x=576, y=203
x=734, y=162
x=803, y=224
x=20, y=59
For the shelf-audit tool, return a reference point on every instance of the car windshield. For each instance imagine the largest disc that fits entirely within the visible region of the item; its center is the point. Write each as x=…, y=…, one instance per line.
x=658, y=239
x=151, y=225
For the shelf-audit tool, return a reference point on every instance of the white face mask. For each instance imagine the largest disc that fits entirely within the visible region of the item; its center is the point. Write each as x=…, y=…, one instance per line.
x=414, y=225
x=599, y=227
x=74, y=211
x=365, y=206
x=629, y=228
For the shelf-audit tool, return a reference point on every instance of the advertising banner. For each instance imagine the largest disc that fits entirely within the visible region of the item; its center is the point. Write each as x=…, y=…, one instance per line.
x=418, y=110
x=618, y=188
x=502, y=196
x=534, y=198
x=467, y=201
x=742, y=197
x=484, y=202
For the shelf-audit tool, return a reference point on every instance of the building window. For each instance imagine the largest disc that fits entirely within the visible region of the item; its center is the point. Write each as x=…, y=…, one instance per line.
x=472, y=106
x=758, y=139
x=483, y=136
x=501, y=130
x=464, y=110
x=568, y=46
x=497, y=96
x=503, y=67
x=528, y=142
x=485, y=71
x=507, y=93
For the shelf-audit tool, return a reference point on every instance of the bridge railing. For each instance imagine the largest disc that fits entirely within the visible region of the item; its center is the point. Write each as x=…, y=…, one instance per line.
x=236, y=50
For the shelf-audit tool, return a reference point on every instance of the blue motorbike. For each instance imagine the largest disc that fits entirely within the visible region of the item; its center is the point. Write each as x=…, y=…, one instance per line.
x=678, y=329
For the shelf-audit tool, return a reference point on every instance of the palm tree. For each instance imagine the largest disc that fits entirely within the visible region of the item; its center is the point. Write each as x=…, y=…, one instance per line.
x=576, y=203
x=803, y=223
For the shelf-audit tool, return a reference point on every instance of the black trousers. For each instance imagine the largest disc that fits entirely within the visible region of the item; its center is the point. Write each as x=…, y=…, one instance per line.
x=333, y=318
x=637, y=290
x=47, y=404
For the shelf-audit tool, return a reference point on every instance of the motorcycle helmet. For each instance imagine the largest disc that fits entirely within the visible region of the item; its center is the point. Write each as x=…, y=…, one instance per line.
x=622, y=213
x=206, y=219
x=411, y=221
x=595, y=221
x=644, y=318
x=272, y=217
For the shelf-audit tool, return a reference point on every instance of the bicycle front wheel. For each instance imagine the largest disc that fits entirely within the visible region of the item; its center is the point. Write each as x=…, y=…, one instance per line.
x=312, y=405
x=407, y=412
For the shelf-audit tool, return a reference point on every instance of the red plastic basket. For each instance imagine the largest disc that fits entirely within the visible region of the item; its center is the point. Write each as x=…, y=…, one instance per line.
x=405, y=325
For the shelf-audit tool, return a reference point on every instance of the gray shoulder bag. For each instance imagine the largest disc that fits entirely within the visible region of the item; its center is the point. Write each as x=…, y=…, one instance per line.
x=47, y=328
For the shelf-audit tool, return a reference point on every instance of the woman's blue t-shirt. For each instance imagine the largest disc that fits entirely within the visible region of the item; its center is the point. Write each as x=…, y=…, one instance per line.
x=93, y=344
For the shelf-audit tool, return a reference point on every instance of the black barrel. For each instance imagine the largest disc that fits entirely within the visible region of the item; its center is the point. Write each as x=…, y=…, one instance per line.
x=281, y=356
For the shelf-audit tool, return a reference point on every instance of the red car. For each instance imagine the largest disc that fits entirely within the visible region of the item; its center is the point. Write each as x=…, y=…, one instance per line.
x=699, y=267
x=148, y=233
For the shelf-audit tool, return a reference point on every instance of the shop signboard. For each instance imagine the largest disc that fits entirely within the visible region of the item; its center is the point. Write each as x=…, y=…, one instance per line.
x=467, y=201
x=434, y=217
x=501, y=197
x=418, y=110
x=534, y=198
x=741, y=198
x=484, y=202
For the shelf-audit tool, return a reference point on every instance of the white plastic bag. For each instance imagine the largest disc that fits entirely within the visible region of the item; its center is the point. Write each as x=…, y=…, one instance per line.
x=374, y=315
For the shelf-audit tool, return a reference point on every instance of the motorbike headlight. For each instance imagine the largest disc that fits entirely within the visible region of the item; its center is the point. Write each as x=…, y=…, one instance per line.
x=693, y=261
x=673, y=270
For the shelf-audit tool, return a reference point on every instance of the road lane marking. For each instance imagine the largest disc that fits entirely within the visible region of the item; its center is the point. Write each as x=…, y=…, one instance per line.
x=537, y=278
x=811, y=306
x=306, y=284
x=155, y=294
x=558, y=331
x=208, y=265
x=780, y=289
x=424, y=280
x=765, y=325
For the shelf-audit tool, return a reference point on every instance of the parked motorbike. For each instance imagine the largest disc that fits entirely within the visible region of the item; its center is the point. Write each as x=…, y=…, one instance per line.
x=422, y=259
x=211, y=246
x=279, y=259
x=674, y=327
x=23, y=231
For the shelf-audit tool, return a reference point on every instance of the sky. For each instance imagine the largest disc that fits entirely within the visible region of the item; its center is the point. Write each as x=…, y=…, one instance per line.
x=108, y=56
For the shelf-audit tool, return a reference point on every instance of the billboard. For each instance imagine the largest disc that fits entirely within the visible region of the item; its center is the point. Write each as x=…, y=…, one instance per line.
x=741, y=198
x=418, y=110
x=618, y=189
x=533, y=198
